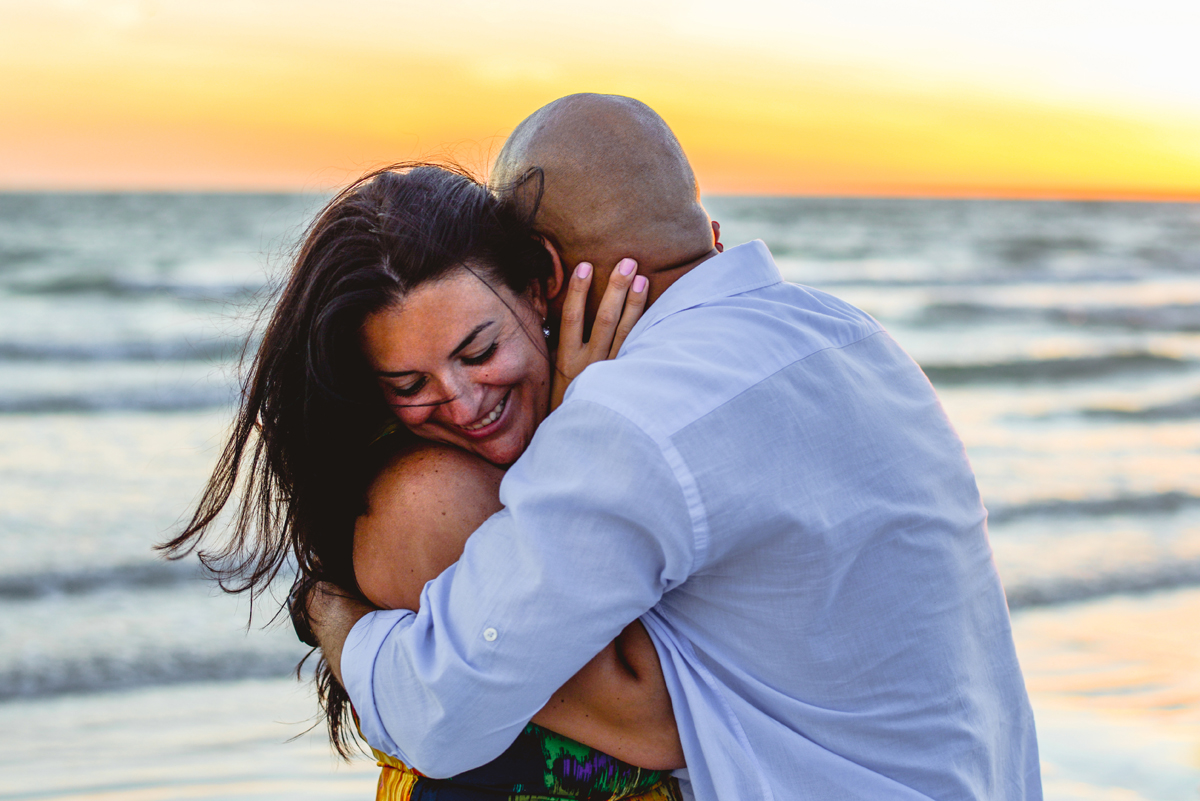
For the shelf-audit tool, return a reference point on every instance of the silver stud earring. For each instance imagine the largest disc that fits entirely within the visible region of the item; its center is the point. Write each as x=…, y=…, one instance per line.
x=545, y=328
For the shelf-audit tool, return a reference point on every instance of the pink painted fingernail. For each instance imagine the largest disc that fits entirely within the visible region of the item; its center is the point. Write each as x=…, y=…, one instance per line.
x=639, y=284
x=583, y=270
x=627, y=266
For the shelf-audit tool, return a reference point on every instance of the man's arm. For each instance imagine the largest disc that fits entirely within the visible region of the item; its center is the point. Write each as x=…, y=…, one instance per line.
x=596, y=527
x=422, y=509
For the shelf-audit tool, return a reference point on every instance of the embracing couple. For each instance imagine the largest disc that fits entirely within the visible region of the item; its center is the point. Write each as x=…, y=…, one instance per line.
x=740, y=556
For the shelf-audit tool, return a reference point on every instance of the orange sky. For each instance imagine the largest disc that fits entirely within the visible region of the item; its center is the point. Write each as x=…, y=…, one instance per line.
x=766, y=97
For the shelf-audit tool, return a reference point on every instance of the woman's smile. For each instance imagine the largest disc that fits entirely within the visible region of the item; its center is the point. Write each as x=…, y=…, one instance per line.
x=478, y=379
x=485, y=426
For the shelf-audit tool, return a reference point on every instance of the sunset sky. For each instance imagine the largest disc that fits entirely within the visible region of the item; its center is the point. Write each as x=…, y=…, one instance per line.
x=1033, y=98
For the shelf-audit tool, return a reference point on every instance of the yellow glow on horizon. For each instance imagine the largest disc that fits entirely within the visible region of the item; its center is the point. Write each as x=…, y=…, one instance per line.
x=150, y=94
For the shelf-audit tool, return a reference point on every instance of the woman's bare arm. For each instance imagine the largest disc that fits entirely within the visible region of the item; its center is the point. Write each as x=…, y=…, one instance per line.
x=422, y=508
x=618, y=703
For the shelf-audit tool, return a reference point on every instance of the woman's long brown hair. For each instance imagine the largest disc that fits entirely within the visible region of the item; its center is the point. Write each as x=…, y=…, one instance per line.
x=300, y=456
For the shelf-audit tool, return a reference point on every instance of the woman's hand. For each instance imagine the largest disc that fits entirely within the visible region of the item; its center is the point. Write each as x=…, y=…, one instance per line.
x=332, y=612
x=620, y=308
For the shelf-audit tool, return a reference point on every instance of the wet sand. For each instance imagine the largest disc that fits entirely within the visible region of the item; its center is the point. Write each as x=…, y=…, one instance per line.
x=1115, y=686
x=227, y=741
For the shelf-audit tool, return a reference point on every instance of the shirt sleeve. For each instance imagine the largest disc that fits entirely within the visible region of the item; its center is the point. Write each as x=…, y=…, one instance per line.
x=597, y=526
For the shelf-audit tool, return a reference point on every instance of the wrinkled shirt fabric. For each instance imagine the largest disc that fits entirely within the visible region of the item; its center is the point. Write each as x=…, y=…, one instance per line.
x=769, y=482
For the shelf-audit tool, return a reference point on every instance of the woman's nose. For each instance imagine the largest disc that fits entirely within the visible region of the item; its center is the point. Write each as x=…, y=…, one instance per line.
x=462, y=406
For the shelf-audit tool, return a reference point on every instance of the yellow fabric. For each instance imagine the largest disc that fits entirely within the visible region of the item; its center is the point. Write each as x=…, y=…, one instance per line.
x=395, y=784
x=385, y=761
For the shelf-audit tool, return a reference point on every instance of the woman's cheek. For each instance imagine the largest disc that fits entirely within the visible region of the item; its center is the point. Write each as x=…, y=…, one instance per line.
x=411, y=416
x=503, y=371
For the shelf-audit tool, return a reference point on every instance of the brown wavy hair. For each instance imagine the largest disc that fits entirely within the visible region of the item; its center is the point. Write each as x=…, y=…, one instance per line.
x=301, y=455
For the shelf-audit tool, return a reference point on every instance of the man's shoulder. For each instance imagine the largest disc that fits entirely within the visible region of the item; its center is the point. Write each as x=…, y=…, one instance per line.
x=696, y=359
x=795, y=318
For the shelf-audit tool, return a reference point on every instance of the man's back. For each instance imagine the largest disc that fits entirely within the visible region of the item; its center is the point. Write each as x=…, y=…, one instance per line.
x=840, y=631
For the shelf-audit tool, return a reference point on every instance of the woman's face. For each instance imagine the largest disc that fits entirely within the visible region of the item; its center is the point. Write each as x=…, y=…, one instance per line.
x=458, y=365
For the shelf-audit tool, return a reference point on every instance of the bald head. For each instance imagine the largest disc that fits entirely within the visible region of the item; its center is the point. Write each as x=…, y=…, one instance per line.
x=614, y=182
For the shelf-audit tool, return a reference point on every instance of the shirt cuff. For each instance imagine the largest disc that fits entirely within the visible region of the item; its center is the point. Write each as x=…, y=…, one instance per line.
x=359, y=652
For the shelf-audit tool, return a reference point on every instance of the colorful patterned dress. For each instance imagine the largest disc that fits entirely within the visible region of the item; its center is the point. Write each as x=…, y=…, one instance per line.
x=539, y=766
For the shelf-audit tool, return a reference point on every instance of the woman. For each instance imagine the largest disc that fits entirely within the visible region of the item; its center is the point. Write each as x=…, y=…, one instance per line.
x=416, y=308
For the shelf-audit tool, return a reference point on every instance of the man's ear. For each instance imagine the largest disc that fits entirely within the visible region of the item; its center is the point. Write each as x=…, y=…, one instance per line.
x=717, y=237
x=554, y=282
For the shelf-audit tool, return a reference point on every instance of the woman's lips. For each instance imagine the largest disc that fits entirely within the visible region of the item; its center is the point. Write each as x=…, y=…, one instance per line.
x=490, y=422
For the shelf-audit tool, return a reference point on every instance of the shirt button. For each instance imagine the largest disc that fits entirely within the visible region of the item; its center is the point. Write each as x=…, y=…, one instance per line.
x=490, y=634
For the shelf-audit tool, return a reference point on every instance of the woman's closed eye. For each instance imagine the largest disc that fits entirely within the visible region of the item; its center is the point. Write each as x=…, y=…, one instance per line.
x=409, y=390
x=481, y=357
x=416, y=386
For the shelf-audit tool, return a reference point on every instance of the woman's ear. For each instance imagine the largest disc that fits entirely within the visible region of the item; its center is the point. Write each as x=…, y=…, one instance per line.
x=554, y=282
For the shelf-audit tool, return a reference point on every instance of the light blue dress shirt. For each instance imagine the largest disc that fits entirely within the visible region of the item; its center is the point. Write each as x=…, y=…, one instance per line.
x=769, y=482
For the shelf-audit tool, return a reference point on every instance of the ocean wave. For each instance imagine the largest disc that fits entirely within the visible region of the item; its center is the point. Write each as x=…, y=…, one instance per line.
x=1150, y=504
x=13, y=254
x=1186, y=409
x=1036, y=249
x=1061, y=590
x=174, y=399
x=33, y=675
x=1052, y=370
x=111, y=287
x=1174, y=317
x=212, y=349
x=82, y=582
x=35, y=678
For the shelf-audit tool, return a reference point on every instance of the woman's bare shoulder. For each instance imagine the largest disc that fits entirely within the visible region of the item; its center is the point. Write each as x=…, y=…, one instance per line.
x=421, y=508
x=432, y=470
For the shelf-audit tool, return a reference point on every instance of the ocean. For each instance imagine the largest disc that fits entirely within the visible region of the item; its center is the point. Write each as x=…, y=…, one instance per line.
x=1063, y=339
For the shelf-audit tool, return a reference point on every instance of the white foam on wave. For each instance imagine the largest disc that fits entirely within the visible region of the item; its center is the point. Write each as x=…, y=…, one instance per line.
x=97, y=386
x=118, y=637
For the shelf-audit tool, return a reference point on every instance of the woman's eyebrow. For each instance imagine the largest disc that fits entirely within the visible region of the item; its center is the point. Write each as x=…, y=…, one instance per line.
x=476, y=331
x=470, y=338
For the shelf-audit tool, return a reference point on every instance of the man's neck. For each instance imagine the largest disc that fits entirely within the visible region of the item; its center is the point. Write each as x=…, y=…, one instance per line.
x=662, y=278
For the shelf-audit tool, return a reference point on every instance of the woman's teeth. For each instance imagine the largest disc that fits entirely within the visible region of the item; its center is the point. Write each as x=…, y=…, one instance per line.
x=492, y=417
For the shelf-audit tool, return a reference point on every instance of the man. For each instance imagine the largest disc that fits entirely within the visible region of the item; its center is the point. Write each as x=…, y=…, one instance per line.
x=763, y=477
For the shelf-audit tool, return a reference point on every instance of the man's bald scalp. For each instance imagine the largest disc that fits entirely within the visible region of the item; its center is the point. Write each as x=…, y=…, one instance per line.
x=614, y=182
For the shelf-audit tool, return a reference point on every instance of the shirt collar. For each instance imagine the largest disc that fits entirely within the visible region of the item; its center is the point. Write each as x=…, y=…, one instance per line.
x=737, y=270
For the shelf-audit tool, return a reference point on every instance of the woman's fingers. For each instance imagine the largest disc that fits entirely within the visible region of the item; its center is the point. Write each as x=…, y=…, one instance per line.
x=635, y=304
x=571, y=356
x=612, y=306
x=622, y=305
x=570, y=334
